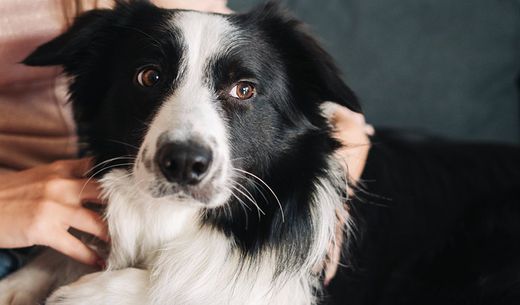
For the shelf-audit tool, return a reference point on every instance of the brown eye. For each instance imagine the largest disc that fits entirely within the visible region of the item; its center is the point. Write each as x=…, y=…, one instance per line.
x=243, y=91
x=148, y=77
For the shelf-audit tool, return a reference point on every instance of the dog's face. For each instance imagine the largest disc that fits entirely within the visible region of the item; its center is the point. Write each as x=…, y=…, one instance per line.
x=193, y=104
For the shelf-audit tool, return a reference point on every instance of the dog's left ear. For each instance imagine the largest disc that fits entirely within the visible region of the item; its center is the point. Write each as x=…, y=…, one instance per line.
x=72, y=48
x=304, y=56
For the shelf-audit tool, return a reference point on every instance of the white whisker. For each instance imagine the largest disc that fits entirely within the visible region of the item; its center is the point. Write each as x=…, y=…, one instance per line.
x=99, y=171
x=267, y=186
x=260, y=211
x=107, y=161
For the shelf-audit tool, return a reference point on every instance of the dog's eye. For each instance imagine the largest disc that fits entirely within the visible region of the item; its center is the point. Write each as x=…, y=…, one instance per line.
x=243, y=91
x=148, y=77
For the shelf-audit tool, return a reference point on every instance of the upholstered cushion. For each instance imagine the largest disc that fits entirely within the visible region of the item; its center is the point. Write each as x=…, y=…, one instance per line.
x=442, y=66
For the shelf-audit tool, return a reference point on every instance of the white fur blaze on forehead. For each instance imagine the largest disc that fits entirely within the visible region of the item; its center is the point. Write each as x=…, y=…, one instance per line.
x=191, y=111
x=204, y=36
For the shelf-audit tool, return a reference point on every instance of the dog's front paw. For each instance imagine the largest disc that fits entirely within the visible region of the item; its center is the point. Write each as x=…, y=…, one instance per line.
x=127, y=286
x=14, y=296
x=87, y=290
x=18, y=290
x=17, y=298
x=61, y=296
x=68, y=295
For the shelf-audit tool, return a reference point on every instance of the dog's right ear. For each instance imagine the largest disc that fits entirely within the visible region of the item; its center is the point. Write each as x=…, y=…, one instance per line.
x=303, y=55
x=75, y=45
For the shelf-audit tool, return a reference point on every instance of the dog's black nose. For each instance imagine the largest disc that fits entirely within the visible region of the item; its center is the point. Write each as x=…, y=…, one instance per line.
x=185, y=163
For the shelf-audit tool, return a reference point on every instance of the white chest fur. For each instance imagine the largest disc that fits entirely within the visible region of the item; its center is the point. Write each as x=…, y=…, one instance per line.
x=193, y=265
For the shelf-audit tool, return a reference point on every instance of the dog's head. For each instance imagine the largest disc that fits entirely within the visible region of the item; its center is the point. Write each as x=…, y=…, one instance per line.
x=206, y=109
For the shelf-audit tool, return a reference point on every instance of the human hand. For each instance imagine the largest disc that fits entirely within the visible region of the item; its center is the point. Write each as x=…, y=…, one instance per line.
x=39, y=205
x=352, y=131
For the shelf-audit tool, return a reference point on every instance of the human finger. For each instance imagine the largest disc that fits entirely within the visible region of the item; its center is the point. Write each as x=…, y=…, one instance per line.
x=80, y=167
x=72, y=191
x=69, y=245
x=343, y=115
x=88, y=221
x=73, y=168
x=90, y=191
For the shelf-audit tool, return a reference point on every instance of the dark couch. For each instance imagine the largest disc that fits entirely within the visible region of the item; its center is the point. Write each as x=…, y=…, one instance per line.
x=445, y=67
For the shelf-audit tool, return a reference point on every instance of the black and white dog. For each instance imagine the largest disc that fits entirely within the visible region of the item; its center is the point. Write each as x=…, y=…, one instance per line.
x=218, y=161
x=214, y=152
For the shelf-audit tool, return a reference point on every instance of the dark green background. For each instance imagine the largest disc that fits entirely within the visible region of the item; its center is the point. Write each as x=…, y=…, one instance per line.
x=448, y=67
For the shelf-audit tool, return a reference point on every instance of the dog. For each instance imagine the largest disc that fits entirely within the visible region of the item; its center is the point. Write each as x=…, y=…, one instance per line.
x=211, y=140
x=213, y=150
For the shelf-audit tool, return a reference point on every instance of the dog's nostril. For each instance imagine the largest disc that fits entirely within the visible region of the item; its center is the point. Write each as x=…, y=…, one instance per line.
x=170, y=165
x=200, y=167
x=184, y=162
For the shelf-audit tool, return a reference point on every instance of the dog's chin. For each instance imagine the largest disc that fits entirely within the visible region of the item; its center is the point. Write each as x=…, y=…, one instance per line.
x=207, y=195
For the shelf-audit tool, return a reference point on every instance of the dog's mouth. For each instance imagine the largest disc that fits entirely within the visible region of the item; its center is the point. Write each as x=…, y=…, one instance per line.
x=203, y=194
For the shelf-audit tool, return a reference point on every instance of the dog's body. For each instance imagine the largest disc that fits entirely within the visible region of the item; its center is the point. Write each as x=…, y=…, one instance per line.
x=219, y=167
x=437, y=222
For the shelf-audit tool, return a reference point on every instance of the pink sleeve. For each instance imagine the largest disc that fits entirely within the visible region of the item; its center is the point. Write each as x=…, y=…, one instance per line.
x=23, y=26
x=35, y=121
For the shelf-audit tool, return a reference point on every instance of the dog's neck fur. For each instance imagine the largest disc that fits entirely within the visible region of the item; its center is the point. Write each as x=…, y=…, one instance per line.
x=204, y=266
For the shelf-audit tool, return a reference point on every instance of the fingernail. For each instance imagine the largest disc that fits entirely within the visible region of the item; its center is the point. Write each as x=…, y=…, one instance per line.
x=326, y=282
x=101, y=263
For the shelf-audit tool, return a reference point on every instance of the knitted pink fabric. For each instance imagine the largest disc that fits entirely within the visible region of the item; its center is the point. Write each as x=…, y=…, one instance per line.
x=35, y=120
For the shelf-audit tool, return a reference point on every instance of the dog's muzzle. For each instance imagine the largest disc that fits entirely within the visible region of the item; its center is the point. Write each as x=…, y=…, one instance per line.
x=185, y=163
